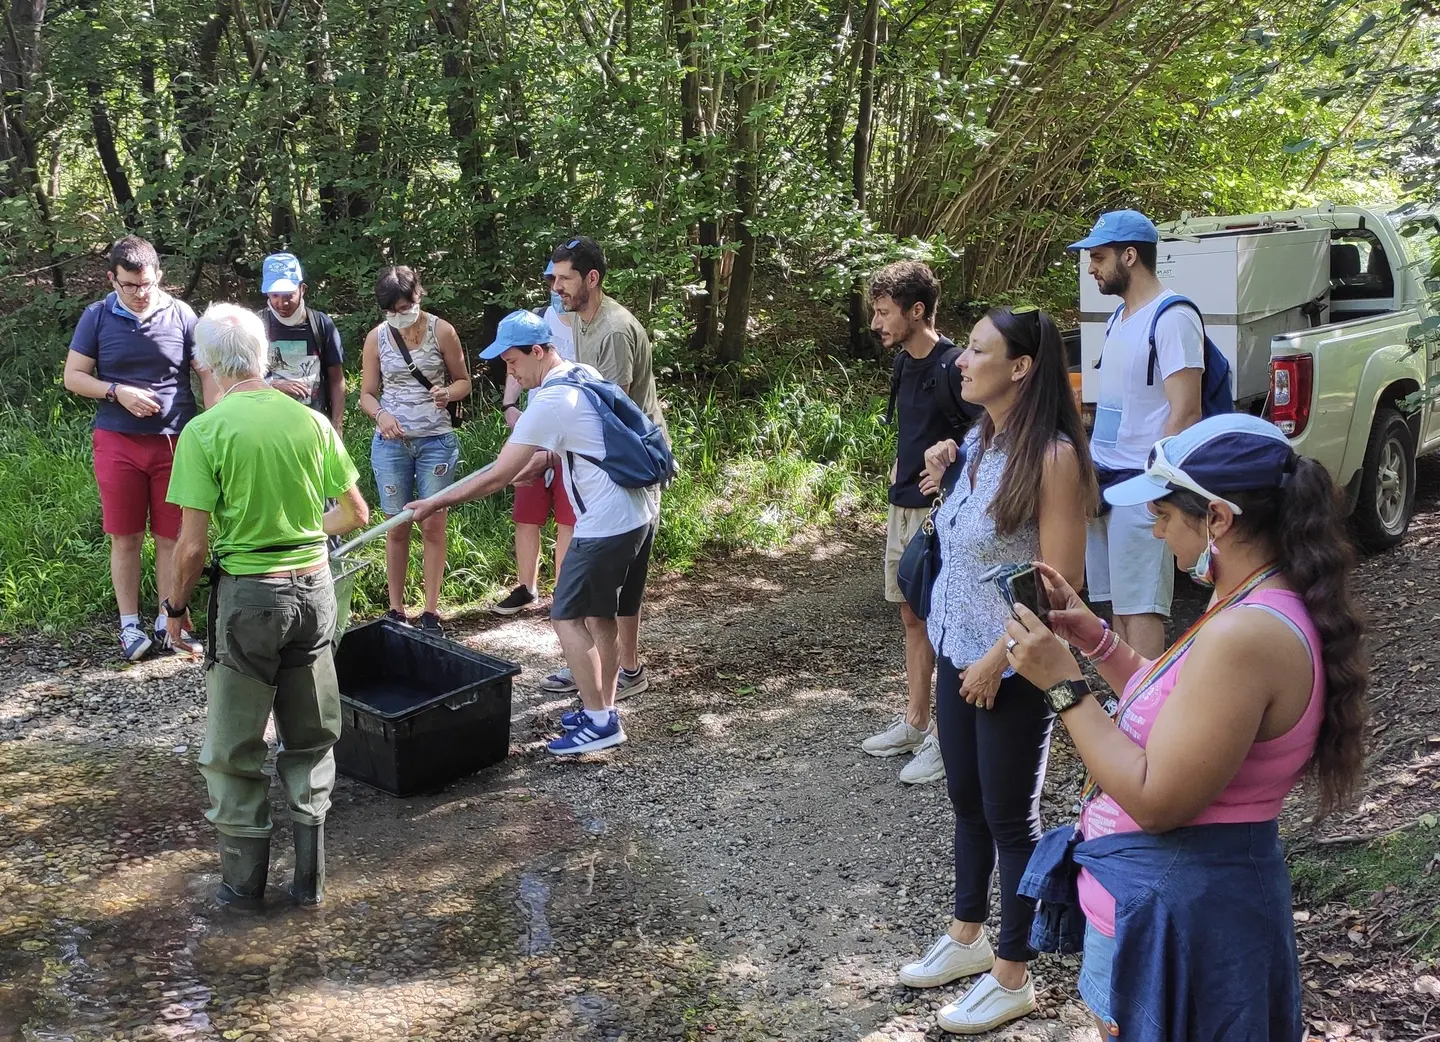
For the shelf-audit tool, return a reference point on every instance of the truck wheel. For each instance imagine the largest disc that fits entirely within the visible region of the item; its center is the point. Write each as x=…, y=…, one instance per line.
x=1387, y=484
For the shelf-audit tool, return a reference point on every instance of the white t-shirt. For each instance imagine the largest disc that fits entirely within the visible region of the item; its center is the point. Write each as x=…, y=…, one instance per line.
x=559, y=417
x=1130, y=415
x=560, y=334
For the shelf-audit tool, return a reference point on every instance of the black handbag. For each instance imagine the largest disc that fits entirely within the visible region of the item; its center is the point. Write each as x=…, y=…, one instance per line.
x=920, y=563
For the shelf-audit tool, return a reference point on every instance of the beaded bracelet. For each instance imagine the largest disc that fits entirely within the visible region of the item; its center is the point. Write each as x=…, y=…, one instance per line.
x=1104, y=635
x=1114, y=647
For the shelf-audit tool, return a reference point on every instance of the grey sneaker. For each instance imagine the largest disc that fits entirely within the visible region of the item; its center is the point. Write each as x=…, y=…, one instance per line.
x=896, y=739
x=926, y=765
x=627, y=684
x=560, y=683
x=133, y=643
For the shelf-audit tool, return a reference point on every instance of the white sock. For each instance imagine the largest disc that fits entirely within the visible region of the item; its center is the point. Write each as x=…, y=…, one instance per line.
x=129, y=620
x=598, y=717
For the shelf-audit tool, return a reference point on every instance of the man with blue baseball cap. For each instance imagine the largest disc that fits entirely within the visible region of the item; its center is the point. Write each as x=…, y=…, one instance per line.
x=1135, y=408
x=608, y=560
x=306, y=360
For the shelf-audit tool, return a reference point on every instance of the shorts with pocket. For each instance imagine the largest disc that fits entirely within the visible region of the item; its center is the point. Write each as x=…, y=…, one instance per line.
x=1095, y=974
x=534, y=503
x=133, y=473
x=604, y=577
x=412, y=468
x=901, y=524
x=1126, y=565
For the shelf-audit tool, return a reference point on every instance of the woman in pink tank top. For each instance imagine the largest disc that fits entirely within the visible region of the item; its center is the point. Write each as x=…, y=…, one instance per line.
x=1267, y=685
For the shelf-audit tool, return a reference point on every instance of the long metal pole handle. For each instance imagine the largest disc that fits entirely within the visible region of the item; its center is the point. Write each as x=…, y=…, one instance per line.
x=372, y=533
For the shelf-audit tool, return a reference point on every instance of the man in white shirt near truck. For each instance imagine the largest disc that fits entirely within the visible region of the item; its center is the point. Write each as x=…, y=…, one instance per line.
x=1124, y=563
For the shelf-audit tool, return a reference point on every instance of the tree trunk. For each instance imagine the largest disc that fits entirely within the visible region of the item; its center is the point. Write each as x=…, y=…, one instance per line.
x=847, y=63
x=694, y=136
x=19, y=68
x=861, y=343
x=115, y=174
x=747, y=148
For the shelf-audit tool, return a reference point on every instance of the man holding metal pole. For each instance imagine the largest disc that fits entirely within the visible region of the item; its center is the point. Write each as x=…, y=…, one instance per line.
x=262, y=464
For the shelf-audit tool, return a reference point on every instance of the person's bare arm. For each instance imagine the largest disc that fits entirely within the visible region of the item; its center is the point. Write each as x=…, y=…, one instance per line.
x=509, y=403
x=335, y=377
x=512, y=460
x=1182, y=391
x=459, y=386
x=191, y=549
x=80, y=378
x=349, y=513
x=1062, y=513
x=387, y=425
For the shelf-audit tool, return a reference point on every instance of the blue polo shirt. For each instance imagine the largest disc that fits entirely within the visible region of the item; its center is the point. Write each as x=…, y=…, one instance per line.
x=154, y=353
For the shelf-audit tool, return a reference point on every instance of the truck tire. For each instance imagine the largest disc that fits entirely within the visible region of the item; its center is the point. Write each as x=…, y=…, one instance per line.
x=1387, y=482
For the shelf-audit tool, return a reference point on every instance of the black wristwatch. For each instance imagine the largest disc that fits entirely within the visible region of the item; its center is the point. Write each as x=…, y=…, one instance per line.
x=110, y=391
x=507, y=406
x=1067, y=694
x=171, y=611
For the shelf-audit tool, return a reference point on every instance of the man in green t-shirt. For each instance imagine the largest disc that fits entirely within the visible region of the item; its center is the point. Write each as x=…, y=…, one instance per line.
x=261, y=465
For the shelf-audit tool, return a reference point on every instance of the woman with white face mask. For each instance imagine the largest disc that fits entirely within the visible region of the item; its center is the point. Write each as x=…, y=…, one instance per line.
x=413, y=369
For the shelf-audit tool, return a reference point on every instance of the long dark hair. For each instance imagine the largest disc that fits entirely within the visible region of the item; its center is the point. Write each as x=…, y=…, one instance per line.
x=1044, y=410
x=1302, y=523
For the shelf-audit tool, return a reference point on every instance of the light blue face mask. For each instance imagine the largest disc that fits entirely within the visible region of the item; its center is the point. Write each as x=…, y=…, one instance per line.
x=1203, y=570
x=557, y=303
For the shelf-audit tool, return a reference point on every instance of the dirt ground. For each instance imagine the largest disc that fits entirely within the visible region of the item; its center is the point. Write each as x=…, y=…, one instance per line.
x=738, y=870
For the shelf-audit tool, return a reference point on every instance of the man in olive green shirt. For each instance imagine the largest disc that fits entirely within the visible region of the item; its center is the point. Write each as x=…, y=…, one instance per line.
x=262, y=465
x=610, y=338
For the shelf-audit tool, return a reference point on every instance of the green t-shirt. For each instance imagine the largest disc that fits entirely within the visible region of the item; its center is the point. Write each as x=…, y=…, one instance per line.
x=262, y=465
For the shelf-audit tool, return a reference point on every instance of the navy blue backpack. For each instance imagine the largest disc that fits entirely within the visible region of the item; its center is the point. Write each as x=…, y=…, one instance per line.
x=1215, y=394
x=637, y=454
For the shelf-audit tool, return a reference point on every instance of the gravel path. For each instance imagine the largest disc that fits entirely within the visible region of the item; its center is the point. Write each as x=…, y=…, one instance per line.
x=738, y=870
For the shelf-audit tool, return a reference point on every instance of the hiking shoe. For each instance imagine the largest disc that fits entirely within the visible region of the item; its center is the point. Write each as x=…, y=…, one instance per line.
x=926, y=765
x=429, y=623
x=949, y=960
x=188, y=644
x=627, y=683
x=519, y=599
x=133, y=643
x=895, y=740
x=986, y=1006
x=395, y=615
x=589, y=738
x=560, y=683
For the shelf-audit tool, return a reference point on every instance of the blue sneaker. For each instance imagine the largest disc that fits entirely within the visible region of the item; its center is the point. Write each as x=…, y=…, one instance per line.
x=573, y=719
x=133, y=643
x=589, y=738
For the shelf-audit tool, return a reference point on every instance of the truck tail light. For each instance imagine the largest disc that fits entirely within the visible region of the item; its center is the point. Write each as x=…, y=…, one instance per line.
x=1291, y=380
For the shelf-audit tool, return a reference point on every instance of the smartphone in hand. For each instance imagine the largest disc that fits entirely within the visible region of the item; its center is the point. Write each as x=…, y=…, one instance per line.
x=1021, y=584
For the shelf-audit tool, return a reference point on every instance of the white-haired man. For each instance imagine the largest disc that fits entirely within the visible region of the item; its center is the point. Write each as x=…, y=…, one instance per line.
x=262, y=464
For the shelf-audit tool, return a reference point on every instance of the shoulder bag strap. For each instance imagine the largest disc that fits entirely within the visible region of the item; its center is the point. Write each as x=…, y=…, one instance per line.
x=398, y=340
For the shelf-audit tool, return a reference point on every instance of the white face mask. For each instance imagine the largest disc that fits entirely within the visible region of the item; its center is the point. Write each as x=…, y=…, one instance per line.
x=403, y=319
x=297, y=319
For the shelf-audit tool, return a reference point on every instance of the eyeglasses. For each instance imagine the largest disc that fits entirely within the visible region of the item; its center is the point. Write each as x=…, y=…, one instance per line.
x=136, y=287
x=1159, y=467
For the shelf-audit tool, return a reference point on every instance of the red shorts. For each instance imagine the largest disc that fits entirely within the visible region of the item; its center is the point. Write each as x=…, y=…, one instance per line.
x=133, y=472
x=533, y=503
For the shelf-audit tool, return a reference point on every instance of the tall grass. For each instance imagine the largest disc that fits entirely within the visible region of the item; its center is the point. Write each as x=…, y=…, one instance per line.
x=758, y=464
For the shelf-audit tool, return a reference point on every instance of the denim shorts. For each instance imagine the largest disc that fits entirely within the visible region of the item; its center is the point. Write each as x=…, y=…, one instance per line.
x=412, y=468
x=1095, y=972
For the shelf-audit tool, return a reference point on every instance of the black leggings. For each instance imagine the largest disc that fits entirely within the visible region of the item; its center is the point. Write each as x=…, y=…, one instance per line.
x=994, y=769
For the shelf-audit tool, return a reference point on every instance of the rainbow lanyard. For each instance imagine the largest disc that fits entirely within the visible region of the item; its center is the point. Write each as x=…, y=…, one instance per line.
x=1158, y=668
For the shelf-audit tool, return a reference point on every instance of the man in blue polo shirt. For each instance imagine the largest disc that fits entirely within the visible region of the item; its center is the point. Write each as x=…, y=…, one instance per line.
x=133, y=352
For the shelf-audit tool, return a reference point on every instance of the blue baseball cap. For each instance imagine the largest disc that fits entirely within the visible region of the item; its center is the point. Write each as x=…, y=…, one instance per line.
x=281, y=273
x=549, y=270
x=1231, y=452
x=1118, y=226
x=517, y=329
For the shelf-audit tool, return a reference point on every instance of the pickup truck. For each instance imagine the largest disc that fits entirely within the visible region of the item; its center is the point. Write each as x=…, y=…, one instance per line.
x=1327, y=317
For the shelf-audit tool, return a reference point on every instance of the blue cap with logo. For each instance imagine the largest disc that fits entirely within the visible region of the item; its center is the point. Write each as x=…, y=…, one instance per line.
x=1230, y=452
x=1118, y=226
x=281, y=273
x=517, y=329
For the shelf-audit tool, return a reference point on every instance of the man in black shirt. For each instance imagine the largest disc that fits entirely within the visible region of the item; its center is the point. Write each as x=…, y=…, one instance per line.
x=306, y=361
x=925, y=401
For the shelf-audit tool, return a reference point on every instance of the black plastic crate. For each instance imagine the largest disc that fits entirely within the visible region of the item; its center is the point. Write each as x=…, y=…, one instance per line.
x=418, y=711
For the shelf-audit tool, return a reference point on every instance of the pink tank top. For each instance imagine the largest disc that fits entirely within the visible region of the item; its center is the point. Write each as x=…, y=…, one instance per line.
x=1266, y=776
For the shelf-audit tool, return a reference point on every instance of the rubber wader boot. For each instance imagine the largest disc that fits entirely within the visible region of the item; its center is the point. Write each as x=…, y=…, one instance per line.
x=244, y=864
x=309, y=885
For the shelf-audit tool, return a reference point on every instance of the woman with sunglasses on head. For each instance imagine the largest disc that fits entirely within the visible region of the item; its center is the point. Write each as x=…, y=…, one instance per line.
x=1024, y=490
x=1183, y=883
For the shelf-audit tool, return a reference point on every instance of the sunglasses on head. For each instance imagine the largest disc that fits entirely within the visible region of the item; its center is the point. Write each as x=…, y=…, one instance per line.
x=1158, y=466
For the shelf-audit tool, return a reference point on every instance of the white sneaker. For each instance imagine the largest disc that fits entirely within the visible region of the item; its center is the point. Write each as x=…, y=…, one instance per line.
x=898, y=738
x=949, y=960
x=987, y=1005
x=926, y=765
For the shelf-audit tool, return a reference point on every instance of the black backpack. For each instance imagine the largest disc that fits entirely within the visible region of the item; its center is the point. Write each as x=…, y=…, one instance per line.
x=958, y=412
